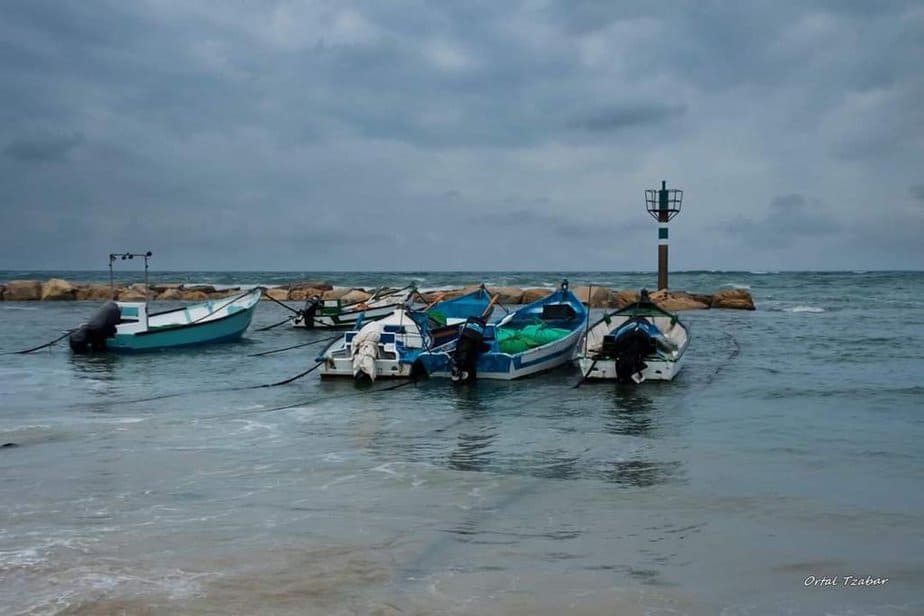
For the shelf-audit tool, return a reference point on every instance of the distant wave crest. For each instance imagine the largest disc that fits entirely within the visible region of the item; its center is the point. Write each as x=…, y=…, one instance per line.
x=804, y=309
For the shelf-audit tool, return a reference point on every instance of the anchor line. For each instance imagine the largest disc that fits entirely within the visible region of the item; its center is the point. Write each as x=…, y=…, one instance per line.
x=42, y=346
x=294, y=346
x=269, y=327
x=286, y=306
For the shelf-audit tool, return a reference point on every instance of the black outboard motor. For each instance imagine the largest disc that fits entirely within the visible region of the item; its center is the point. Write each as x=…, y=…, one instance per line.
x=310, y=309
x=628, y=351
x=92, y=336
x=468, y=349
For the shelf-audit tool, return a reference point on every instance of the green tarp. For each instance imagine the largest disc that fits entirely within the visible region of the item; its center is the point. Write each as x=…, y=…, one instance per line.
x=529, y=337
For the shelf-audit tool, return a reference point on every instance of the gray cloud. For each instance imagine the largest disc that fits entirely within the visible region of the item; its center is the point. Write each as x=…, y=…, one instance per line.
x=42, y=149
x=362, y=135
x=917, y=192
x=618, y=117
x=789, y=219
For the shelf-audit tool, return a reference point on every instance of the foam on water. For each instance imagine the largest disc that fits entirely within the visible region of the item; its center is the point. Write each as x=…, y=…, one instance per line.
x=813, y=309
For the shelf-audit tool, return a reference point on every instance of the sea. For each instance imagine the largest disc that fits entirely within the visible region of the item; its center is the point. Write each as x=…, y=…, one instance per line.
x=781, y=472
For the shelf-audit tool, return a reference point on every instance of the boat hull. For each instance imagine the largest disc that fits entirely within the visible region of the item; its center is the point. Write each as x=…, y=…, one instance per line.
x=227, y=329
x=342, y=367
x=506, y=366
x=347, y=319
x=605, y=369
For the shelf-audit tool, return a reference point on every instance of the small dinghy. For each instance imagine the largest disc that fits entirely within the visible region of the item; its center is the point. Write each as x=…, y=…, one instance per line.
x=389, y=347
x=637, y=343
x=537, y=337
x=335, y=314
x=129, y=327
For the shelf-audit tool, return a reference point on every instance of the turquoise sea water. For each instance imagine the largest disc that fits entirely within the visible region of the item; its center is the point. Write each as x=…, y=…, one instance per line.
x=789, y=448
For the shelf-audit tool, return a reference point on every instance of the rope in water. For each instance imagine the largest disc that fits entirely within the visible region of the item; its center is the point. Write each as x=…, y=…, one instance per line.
x=42, y=346
x=295, y=346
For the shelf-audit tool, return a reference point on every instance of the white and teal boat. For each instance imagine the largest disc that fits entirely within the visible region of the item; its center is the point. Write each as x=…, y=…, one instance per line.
x=128, y=327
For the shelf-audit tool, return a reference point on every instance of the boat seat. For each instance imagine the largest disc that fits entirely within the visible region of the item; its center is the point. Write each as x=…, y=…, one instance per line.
x=556, y=312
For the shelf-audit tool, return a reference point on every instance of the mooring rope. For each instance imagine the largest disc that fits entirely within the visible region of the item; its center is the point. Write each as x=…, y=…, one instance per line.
x=736, y=350
x=295, y=346
x=269, y=327
x=286, y=306
x=42, y=346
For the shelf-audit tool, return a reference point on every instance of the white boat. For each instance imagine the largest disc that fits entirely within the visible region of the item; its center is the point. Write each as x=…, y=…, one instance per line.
x=128, y=327
x=334, y=314
x=637, y=343
x=389, y=347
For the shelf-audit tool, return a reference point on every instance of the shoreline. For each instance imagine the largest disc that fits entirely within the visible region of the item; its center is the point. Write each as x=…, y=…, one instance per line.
x=58, y=289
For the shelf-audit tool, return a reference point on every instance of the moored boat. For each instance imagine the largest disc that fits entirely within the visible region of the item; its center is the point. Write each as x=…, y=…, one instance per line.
x=636, y=343
x=128, y=326
x=389, y=347
x=537, y=337
x=321, y=313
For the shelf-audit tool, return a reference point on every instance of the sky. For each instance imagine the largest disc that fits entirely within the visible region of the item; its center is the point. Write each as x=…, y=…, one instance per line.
x=315, y=136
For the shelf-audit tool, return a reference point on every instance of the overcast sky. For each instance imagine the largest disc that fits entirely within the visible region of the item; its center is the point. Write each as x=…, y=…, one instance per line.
x=461, y=135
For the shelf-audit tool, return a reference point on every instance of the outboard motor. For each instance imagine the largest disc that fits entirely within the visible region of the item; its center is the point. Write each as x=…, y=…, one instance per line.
x=628, y=348
x=468, y=349
x=310, y=309
x=102, y=325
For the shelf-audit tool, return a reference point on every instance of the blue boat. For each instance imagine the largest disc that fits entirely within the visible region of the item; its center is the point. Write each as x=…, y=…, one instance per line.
x=128, y=327
x=537, y=337
x=389, y=347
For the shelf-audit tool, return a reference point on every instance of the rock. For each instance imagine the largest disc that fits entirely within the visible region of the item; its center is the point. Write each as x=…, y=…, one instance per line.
x=222, y=293
x=355, y=296
x=705, y=298
x=595, y=297
x=2, y=289
x=621, y=299
x=336, y=293
x=532, y=295
x=676, y=300
x=131, y=295
x=735, y=299
x=311, y=284
x=507, y=295
x=205, y=288
x=193, y=296
x=94, y=292
x=278, y=293
x=170, y=294
x=22, y=290
x=58, y=289
x=165, y=286
x=302, y=293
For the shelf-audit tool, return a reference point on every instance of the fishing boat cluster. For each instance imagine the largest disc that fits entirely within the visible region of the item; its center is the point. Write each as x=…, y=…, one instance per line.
x=398, y=333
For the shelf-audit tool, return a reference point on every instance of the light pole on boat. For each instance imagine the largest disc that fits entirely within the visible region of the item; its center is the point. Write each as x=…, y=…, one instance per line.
x=663, y=205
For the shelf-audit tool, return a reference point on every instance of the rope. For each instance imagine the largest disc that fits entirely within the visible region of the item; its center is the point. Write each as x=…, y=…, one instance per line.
x=734, y=353
x=273, y=299
x=294, y=346
x=42, y=346
x=268, y=327
x=593, y=365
